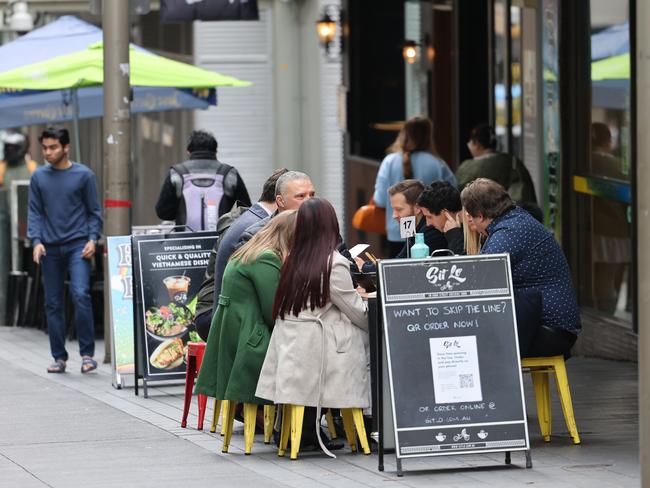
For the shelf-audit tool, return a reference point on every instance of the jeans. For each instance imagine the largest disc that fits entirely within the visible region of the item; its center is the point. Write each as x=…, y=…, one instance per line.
x=58, y=260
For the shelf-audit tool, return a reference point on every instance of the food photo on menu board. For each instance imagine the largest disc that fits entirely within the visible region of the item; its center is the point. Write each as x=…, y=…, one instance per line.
x=171, y=272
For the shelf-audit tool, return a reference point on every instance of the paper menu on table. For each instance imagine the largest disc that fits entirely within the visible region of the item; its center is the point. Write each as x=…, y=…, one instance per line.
x=456, y=375
x=358, y=249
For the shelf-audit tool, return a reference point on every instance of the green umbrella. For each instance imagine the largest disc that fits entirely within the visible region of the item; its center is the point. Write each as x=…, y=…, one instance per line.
x=612, y=68
x=86, y=68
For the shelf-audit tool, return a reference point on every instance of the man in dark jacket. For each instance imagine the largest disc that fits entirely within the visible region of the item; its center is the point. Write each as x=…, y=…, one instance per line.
x=440, y=206
x=403, y=197
x=198, y=191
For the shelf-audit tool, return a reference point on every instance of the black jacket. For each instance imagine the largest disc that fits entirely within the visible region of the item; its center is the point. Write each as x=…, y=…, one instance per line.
x=170, y=202
x=432, y=238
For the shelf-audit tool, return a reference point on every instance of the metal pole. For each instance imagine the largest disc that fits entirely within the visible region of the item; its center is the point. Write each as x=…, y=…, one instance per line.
x=116, y=133
x=643, y=234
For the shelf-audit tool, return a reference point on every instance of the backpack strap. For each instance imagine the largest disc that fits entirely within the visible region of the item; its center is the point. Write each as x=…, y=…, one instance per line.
x=181, y=169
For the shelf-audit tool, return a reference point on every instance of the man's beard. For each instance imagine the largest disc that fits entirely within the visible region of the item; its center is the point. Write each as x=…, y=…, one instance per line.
x=54, y=163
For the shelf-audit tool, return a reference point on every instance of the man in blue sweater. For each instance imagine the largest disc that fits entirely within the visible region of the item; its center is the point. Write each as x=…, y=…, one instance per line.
x=64, y=223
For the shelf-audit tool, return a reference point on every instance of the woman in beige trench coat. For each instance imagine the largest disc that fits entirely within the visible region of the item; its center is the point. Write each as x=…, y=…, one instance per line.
x=317, y=352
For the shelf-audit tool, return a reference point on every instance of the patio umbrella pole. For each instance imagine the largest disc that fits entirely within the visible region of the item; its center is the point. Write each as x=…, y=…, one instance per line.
x=75, y=124
x=116, y=133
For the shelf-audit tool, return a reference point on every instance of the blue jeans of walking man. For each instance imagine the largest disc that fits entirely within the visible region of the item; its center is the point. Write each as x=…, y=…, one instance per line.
x=59, y=261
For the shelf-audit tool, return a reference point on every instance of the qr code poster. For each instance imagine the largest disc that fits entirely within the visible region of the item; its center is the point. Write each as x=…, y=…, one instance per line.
x=456, y=375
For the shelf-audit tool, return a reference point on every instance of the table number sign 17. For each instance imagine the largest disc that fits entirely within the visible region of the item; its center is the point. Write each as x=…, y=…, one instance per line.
x=407, y=227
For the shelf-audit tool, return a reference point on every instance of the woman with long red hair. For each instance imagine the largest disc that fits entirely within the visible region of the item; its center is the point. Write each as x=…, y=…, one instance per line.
x=317, y=352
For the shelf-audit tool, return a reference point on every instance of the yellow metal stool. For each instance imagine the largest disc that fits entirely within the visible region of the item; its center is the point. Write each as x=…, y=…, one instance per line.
x=250, y=420
x=540, y=368
x=331, y=427
x=292, y=417
x=215, y=416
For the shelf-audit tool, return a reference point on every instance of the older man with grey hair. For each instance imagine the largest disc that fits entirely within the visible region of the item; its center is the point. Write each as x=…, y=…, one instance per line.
x=291, y=190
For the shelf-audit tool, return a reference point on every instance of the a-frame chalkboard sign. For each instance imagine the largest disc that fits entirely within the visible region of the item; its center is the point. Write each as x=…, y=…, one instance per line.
x=453, y=357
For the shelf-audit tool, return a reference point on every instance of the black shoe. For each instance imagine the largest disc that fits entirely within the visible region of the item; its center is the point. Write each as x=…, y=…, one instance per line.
x=310, y=445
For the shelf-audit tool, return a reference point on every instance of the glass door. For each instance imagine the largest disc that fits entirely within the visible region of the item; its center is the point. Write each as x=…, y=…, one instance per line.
x=601, y=181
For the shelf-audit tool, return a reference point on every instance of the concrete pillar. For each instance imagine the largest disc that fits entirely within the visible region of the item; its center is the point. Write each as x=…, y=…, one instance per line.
x=643, y=234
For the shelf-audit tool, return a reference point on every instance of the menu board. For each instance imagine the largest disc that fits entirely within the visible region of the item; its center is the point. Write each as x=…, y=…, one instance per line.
x=169, y=270
x=453, y=356
x=120, y=271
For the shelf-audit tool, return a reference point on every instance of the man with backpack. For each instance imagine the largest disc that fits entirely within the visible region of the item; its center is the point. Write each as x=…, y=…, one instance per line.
x=198, y=191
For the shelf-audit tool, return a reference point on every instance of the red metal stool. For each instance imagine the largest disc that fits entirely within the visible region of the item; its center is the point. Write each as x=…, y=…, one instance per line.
x=195, y=352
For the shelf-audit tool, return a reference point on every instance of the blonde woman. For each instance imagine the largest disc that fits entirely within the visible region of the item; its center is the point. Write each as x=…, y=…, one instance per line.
x=241, y=327
x=471, y=237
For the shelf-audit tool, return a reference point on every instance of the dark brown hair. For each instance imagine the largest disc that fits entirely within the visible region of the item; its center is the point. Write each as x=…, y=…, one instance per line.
x=268, y=190
x=416, y=135
x=305, y=275
x=484, y=136
x=411, y=189
x=487, y=198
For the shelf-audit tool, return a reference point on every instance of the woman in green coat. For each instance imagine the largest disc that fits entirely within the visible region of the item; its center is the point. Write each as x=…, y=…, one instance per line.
x=241, y=327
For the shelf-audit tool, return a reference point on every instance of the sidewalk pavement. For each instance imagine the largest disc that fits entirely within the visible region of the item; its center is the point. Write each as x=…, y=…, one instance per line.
x=76, y=430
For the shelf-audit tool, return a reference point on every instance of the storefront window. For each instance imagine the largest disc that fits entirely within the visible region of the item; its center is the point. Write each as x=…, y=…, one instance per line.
x=602, y=183
x=501, y=56
x=508, y=76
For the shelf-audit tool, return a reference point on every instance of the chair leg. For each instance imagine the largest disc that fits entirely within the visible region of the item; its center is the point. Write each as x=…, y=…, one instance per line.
x=297, y=415
x=562, y=382
x=215, y=415
x=357, y=415
x=225, y=412
x=543, y=399
x=250, y=414
x=202, y=401
x=348, y=426
x=189, y=386
x=331, y=428
x=269, y=420
x=285, y=429
x=229, y=426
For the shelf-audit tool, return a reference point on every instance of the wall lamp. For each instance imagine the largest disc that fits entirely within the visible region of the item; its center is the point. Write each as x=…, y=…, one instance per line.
x=411, y=50
x=326, y=29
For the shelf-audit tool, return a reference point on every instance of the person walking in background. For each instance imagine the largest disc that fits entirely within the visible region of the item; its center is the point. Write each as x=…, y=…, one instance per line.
x=317, y=353
x=413, y=155
x=64, y=223
x=198, y=191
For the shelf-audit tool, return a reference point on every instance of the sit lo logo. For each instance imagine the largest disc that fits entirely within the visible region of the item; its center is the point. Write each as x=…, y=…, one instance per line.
x=445, y=278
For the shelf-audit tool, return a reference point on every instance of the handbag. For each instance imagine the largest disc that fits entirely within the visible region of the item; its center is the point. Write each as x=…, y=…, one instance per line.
x=370, y=218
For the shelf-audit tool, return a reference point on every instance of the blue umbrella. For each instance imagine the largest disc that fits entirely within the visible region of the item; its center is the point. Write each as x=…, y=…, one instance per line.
x=610, y=42
x=67, y=35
